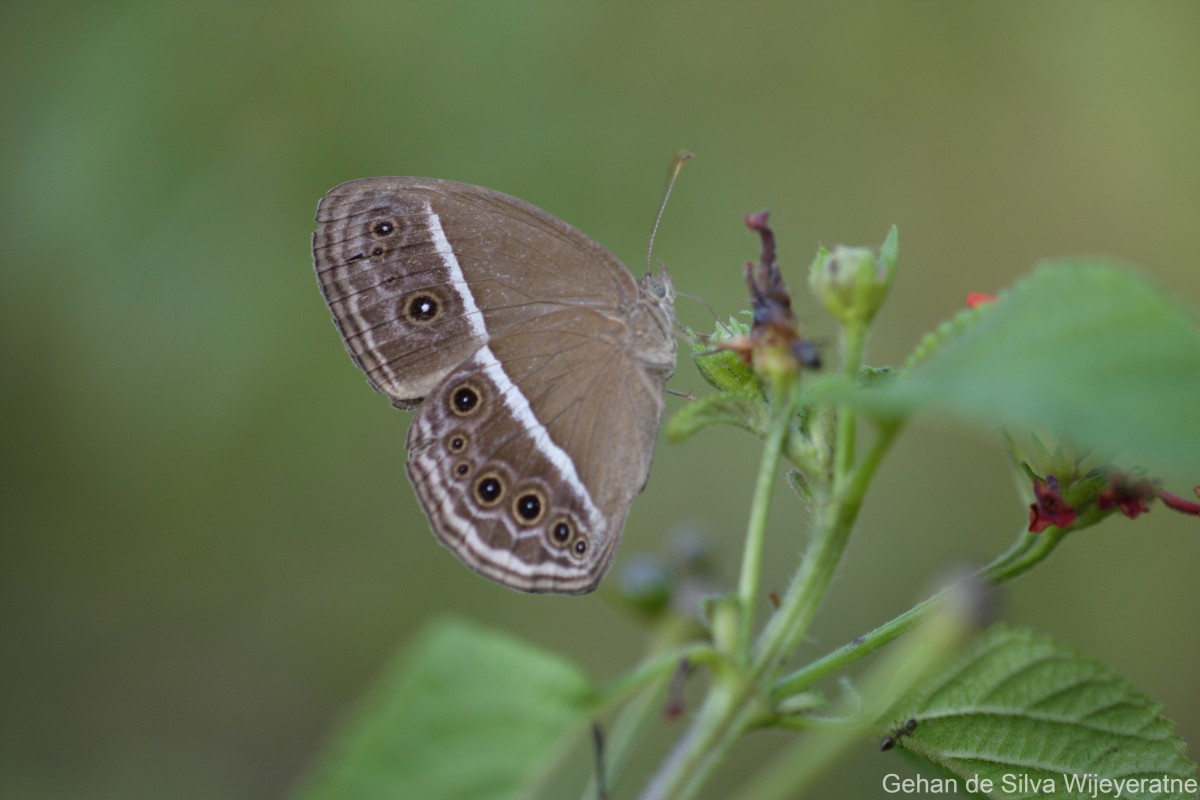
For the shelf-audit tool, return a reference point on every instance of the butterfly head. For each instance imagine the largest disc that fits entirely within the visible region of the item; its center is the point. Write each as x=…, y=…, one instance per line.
x=659, y=287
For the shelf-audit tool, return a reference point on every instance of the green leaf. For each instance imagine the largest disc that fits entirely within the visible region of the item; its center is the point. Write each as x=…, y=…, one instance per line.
x=1019, y=707
x=719, y=409
x=724, y=370
x=464, y=713
x=1089, y=351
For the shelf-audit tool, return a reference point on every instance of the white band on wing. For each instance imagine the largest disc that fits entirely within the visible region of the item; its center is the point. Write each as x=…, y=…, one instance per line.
x=457, y=280
x=515, y=399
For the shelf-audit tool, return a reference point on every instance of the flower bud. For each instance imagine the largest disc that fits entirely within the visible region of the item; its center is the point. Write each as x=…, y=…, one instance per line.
x=853, y=282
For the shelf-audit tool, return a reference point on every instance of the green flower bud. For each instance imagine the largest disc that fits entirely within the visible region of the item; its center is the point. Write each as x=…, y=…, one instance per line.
x=853, y=282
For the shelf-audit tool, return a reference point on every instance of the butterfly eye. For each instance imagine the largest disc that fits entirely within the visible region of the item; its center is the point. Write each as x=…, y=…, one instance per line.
x=384, y=227
x=489, y=490
x=422, y=307
x=580, y=547
x=529, y=506
x=464, y=399
x=456, y=443
x=560, y=532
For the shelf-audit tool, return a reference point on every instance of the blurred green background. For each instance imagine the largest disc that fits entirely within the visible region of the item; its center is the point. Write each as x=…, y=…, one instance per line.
x=209, y=543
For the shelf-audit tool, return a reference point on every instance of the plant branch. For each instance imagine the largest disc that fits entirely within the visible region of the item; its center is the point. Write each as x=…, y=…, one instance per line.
x=892, y=677
x=656, y=669
x=854, y=344
x=731, y=705
x=700, y=750
x=1027, y=551
x=728, y=704
x=804, y=596
x=785, y=396
x=635, y=689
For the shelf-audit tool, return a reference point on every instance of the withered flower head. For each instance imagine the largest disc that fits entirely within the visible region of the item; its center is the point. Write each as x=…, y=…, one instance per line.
x=774, y=345
x=1049, y=508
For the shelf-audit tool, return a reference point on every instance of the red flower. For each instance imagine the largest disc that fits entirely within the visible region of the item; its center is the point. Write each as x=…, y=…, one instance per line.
x=1128, y=494
x=1131, y=495
x=977, y=299
x=1050, y=509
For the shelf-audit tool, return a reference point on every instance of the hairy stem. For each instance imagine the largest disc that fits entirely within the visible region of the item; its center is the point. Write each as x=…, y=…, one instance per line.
x=854, y=344
x=835, y=521
x=1022, y=556
x=698, y=752
x=733, y=701
x=634, y=689
x=657, y=669
x=748, y=586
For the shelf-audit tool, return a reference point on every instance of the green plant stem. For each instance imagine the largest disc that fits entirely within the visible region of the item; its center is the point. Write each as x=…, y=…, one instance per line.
x=854, y=345
x=1028, y=550
x=635, y=687
x=658, y=668
x=731, y=703
x=619, y=740
x=888, y=679
x=698, y=746
x=835, y=521
x=785, y=395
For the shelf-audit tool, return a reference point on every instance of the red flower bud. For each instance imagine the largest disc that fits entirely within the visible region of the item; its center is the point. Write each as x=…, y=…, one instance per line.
x=1131, y=495
x=977, y=299
x=1179, y=504
x=1050, y=509
x=1126, y=493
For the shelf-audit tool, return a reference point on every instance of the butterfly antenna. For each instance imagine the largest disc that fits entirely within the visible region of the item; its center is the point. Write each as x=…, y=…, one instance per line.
x=698, y=299
x=677, y=162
